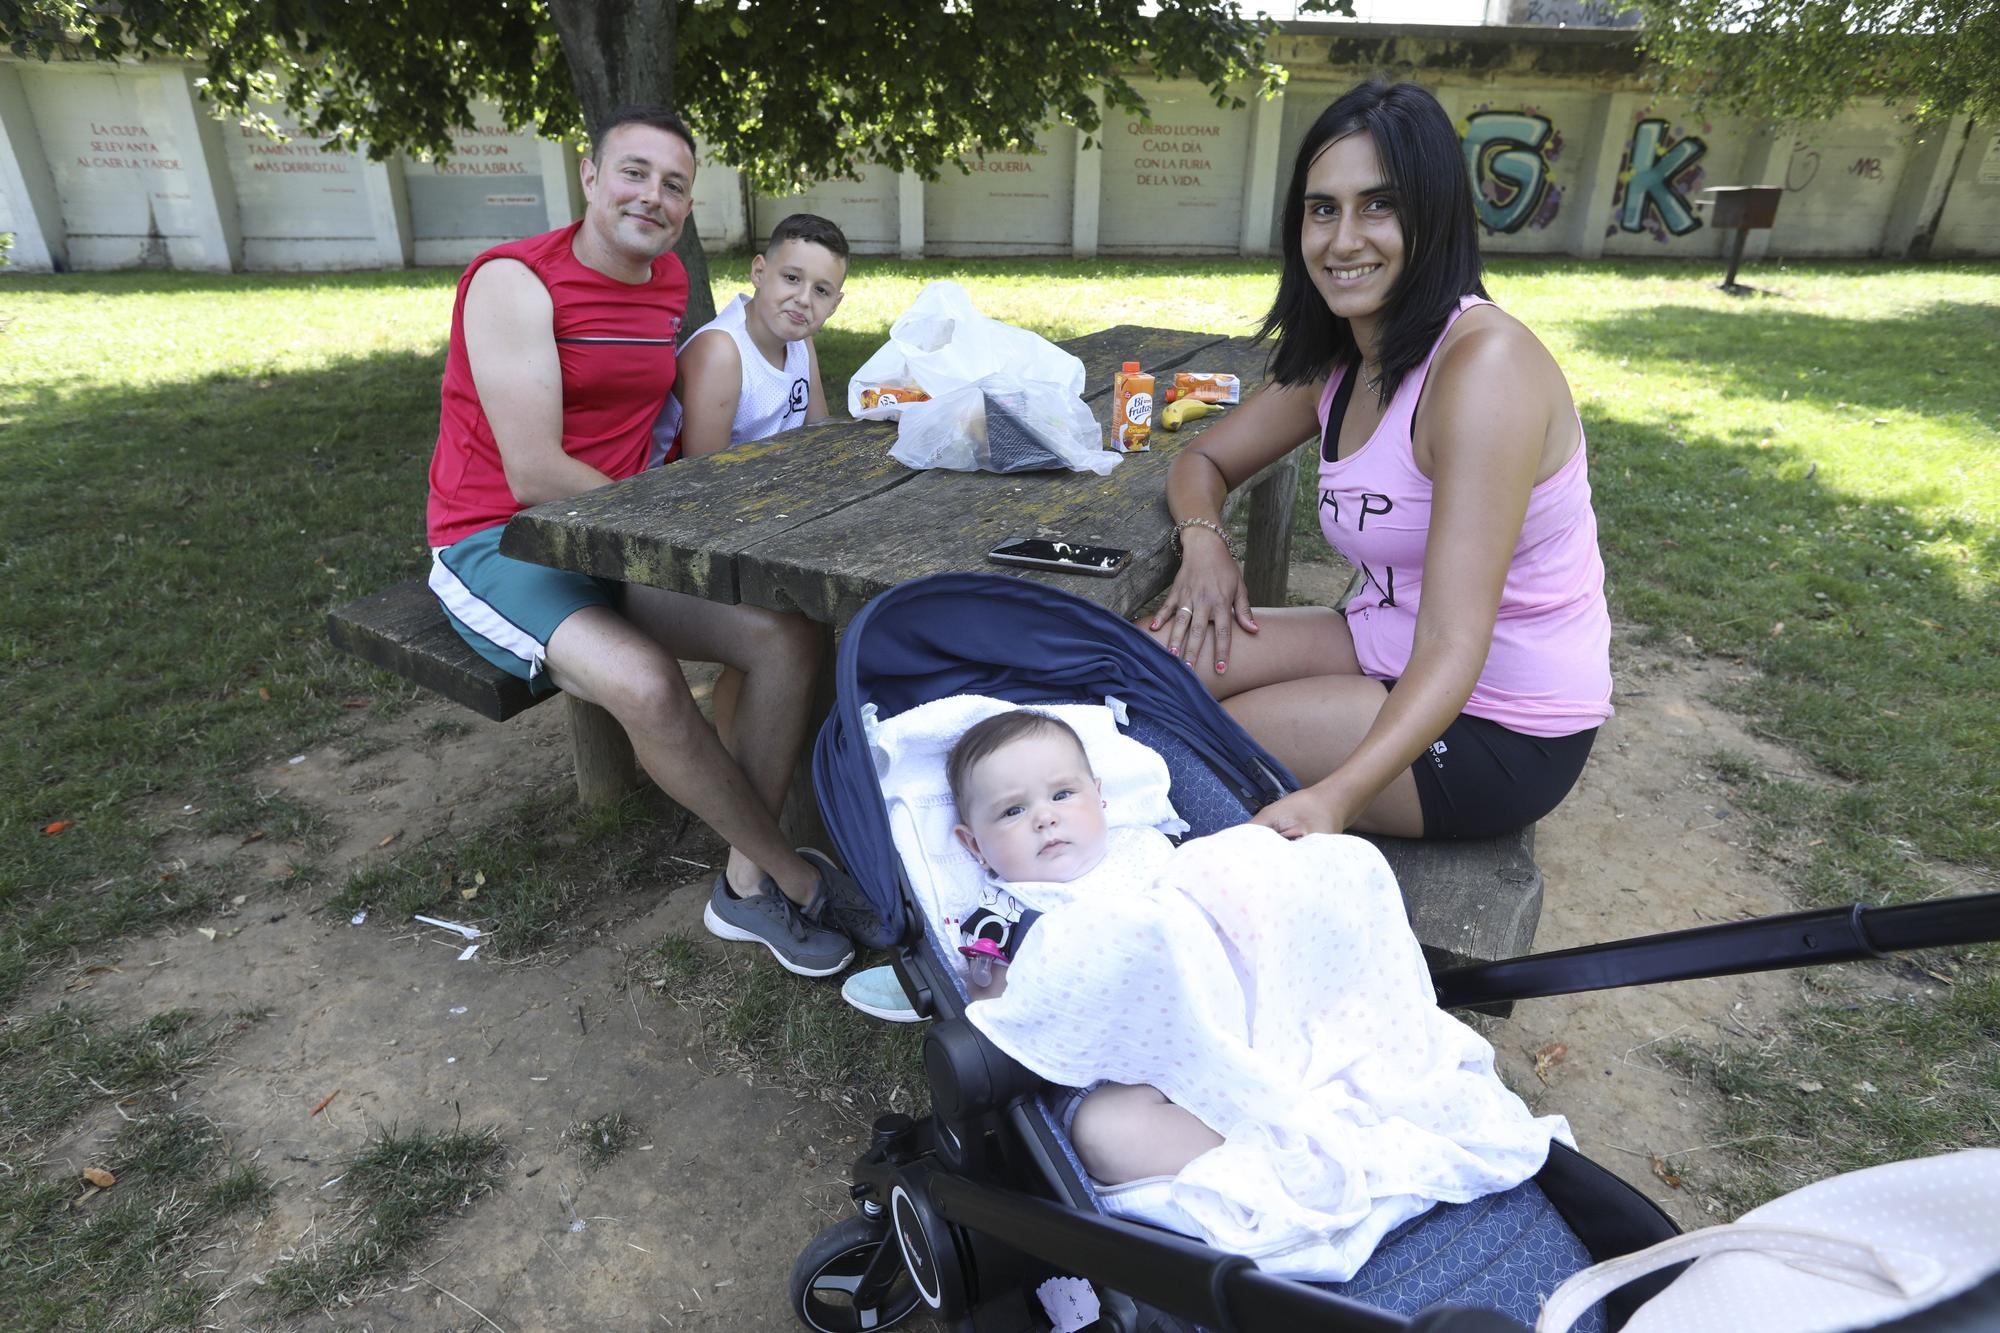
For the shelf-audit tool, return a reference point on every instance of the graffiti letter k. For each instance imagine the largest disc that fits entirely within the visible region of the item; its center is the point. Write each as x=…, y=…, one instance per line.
x=1653, y=173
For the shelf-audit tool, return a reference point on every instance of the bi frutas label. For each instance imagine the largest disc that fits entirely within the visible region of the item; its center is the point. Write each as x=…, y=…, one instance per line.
x=1137, y=423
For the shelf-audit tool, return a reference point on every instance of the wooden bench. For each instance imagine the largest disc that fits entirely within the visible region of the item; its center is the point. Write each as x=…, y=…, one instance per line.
x=404, y=630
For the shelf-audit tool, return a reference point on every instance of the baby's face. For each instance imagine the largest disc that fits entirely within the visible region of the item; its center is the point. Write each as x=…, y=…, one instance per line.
x=1033, y=811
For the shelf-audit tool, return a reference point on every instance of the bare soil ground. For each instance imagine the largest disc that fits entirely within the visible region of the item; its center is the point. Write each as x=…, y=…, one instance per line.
x=696, y=1225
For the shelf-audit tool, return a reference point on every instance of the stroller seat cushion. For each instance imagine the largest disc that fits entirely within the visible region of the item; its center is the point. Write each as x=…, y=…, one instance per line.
x=909, y=752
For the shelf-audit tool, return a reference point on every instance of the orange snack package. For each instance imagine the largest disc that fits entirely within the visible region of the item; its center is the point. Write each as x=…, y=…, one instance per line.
x=1207, y=386
x=890, y=394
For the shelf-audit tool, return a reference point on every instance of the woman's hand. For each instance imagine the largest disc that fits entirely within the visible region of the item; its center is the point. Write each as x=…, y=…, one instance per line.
x=1207, y=602
x=1303, y=812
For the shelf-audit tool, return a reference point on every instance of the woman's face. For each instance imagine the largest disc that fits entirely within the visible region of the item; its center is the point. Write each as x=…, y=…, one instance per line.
x=1352, y=237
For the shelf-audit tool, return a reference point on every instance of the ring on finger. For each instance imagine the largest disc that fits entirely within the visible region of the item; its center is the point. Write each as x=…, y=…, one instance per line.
x=1186, y=611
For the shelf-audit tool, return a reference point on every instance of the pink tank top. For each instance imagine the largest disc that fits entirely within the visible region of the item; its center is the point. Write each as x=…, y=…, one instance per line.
x=1548, y=672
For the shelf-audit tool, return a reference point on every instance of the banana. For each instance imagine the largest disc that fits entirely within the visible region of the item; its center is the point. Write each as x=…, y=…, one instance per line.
x=1183, y=410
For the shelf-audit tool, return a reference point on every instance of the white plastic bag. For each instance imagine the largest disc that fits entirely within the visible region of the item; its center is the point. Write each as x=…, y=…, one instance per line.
x=1003, y=424
x=942, y=344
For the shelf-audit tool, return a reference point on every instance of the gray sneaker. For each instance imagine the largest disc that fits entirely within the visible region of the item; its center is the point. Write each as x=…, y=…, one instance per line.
x=842, y=905
x=774, y=921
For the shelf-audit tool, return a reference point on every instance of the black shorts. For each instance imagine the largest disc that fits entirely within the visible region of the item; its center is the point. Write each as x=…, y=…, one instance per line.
x=1481, y=779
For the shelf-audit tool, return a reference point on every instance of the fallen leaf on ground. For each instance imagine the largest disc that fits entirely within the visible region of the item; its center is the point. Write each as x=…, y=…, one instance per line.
x=1777, y=629
x=258, y=836
x=1810, y=1085
x=359, y=702
x=263, y=693
x=57, y=826
x=99, y=1177
x=206, y=933
x=1665, y=1173
x=390, y=838
x=323, y=1103
x=239, y=900
x=470, y=893
x=1549, y=1057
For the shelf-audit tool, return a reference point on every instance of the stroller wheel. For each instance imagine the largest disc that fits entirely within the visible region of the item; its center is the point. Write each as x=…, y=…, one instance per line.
x=851, y=1277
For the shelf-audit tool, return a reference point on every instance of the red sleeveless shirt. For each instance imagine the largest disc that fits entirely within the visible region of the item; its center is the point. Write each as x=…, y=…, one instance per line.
x=615, y=341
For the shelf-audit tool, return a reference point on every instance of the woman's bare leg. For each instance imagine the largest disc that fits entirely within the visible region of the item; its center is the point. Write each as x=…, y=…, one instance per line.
x=1124, y=1132
x=1296, y=685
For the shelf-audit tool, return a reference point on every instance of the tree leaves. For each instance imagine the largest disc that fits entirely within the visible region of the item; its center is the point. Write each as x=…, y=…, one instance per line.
x=787, y=91
x=1792, y=60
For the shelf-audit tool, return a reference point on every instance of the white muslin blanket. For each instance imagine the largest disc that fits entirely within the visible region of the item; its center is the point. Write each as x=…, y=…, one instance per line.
x=1275, y=990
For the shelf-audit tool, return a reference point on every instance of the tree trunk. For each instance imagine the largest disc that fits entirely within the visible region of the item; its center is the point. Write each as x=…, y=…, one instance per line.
x=620, y=52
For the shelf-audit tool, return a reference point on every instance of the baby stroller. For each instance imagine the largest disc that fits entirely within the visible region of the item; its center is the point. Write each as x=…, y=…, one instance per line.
x=966, y=1211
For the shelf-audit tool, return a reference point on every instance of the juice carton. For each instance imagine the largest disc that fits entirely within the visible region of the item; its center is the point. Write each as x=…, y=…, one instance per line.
x=1131, y=408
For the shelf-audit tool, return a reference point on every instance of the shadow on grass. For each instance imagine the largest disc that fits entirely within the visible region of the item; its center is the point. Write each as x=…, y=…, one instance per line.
x=1938, y=360
x=1871, y=627
x=172, y=553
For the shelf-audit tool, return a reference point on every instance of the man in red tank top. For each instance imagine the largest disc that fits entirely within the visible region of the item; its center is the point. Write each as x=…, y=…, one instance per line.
x=561, y=362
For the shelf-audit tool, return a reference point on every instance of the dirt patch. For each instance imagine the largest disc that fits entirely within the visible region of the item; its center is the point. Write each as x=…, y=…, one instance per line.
x=695, y=1225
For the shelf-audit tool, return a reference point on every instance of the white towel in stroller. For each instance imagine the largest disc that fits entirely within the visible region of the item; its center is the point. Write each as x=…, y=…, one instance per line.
x=1275, y=990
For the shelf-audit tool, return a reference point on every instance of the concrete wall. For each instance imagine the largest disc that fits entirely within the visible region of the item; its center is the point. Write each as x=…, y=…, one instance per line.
x=1570, y=154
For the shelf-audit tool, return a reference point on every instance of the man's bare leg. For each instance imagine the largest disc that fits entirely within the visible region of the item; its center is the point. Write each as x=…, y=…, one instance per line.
x=606, y=659
x=762, y=720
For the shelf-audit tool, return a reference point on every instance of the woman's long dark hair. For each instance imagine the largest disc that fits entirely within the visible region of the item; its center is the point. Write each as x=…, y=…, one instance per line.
x=1421, y=156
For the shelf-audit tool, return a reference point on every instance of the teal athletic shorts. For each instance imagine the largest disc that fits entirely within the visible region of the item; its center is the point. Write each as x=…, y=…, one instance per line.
x=508, y=609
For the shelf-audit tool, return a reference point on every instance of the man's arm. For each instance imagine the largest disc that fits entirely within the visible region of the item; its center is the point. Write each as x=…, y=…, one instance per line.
x=709, y=385
x=510, y=343
x=816, y=409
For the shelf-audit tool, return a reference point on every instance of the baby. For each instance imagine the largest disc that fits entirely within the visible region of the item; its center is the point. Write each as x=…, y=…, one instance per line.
x=1031, y=811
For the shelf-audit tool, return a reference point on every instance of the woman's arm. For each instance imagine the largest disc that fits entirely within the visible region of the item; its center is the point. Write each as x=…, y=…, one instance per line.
x=1483, y=422
x=1271, y=423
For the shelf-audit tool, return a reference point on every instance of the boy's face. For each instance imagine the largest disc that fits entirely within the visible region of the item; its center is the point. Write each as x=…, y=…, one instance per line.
x=1033, y=811
x=797, y=288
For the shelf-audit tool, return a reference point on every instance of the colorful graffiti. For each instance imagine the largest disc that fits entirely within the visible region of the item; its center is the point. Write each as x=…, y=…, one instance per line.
x=1658, y=167
x=1508, y=154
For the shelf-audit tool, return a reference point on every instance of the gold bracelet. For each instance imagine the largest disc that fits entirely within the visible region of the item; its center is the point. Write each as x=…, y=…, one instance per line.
x=1215, y=528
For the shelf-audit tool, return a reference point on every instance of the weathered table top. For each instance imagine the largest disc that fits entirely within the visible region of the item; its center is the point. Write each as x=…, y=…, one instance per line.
x=821, y=519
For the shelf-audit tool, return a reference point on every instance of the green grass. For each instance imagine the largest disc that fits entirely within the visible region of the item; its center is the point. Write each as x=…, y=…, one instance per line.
x=56, y=1064
x=532, y=873
x=198, y=467
x=398, y=1190
x=601, y=1138
x=124, y=1257
x=793, y=1032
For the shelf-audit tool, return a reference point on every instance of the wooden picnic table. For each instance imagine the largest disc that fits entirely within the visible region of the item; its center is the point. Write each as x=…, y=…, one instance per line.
x=821, y=519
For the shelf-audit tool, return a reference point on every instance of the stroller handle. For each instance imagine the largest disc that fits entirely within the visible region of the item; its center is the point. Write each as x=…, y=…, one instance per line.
x=1761, y=944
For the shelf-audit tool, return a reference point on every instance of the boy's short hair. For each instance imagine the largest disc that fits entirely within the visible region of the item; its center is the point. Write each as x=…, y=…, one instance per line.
x=640, y=113
x=808, y=227
x=981, y=739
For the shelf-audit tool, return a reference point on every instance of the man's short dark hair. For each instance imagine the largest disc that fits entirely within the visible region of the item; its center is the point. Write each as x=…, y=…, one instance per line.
x=981, y=739
x=640, y=113
x=808, y=227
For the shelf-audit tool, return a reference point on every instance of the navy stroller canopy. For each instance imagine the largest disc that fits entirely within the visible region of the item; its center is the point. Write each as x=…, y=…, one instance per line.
x=1009, y=638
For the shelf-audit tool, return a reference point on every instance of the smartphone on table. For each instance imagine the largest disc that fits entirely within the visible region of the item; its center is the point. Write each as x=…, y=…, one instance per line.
x=1064, y=557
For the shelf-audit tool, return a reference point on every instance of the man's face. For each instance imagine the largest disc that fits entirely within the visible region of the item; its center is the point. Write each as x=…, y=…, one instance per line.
x=638, y=190
x=1033, y=811
x=797, y=288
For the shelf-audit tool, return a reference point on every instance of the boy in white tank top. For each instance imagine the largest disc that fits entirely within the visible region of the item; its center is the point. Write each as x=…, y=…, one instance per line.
x=752, y=372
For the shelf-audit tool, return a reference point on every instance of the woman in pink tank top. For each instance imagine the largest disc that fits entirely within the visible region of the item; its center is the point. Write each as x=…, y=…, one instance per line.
x=1457, y=694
